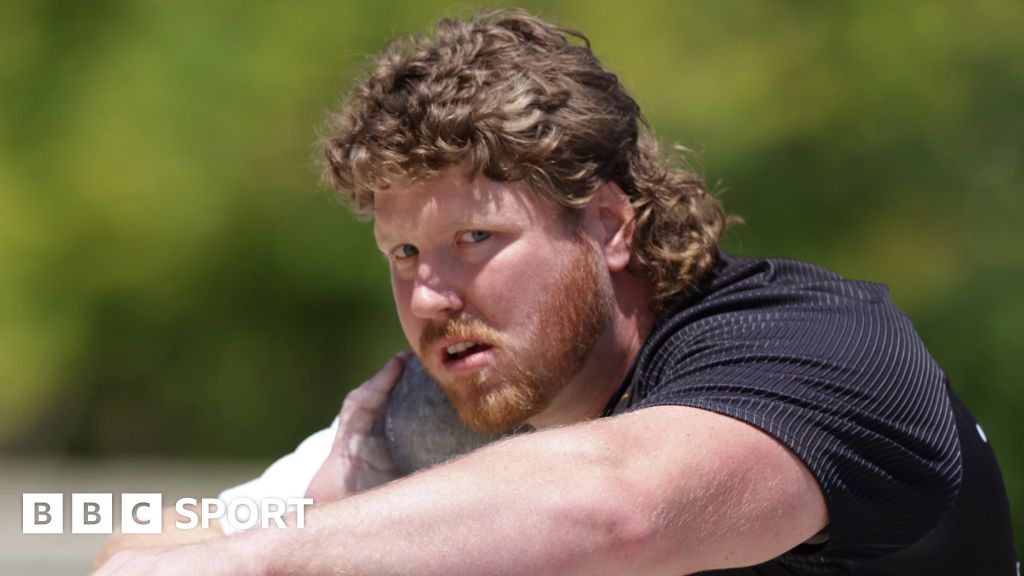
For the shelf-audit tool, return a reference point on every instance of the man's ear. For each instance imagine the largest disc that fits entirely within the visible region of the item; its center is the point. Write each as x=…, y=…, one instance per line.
x=615, y=215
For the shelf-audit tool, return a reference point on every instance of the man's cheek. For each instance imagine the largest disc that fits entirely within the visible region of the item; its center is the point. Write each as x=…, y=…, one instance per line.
x=402, y=296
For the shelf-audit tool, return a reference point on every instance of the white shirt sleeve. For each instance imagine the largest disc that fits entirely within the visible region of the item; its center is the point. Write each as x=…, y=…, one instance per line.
x=288, y=477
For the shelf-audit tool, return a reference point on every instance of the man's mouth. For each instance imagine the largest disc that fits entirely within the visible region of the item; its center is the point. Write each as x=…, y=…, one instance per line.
x=461, y=350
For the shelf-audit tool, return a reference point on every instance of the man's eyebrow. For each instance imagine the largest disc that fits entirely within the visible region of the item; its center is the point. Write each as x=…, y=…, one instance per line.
x=382, y=238
x=489, y=222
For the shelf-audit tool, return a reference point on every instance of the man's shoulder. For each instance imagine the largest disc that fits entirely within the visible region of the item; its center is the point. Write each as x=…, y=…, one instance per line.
x=835, y=372
x=766, y=277
x=741, y=295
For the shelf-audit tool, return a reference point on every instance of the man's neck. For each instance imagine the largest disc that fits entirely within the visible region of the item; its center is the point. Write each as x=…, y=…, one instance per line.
x=587, y=395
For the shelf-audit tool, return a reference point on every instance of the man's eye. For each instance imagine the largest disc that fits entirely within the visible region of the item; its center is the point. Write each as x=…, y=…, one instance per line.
x=474, y=236
x=405, y=251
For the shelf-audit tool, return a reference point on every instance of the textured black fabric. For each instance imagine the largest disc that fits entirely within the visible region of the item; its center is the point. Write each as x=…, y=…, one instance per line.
x=835, y=372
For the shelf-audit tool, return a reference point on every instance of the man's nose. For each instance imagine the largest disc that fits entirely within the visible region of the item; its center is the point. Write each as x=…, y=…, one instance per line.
x=433, y=297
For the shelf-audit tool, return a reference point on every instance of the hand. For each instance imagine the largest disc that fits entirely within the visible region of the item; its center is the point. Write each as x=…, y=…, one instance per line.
x=359, y=458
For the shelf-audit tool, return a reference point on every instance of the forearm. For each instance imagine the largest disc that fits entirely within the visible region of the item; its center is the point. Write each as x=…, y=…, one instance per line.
x=169, y=535
x=661, y=491
x=554, y=509
x=665, y=490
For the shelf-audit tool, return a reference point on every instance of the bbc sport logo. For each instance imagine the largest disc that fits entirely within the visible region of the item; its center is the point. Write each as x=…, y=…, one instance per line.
x=142, y=513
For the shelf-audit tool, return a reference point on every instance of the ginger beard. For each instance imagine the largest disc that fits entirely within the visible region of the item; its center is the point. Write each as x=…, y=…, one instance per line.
x=533, y=371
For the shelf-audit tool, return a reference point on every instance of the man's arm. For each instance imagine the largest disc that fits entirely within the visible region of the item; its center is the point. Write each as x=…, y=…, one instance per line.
x=170, y=535
x=663, y=490
x=356, y=461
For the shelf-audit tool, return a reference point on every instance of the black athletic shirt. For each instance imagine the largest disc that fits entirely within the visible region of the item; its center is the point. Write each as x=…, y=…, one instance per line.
x=834, y=371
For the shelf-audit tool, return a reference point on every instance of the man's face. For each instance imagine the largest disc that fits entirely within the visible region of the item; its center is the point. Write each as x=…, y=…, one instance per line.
x=500, y=297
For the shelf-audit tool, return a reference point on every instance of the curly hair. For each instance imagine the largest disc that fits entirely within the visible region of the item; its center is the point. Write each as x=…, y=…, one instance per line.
x=516, y=98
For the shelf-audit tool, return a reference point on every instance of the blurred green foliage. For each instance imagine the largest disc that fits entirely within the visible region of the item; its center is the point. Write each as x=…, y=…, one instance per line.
x=174, y=279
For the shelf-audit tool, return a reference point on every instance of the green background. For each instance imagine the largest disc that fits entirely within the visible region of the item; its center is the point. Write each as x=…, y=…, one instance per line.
x=174, y=280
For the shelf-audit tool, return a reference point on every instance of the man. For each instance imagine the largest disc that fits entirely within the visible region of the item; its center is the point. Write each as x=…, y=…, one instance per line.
x=694, y=411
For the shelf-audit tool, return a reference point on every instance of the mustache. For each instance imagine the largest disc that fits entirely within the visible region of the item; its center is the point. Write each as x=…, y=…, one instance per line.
x=461, y=329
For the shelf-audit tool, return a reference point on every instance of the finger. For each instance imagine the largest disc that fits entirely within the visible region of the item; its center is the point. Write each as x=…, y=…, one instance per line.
x=363, y=402
x=386, y=378
x=373, y=393
x=374, y=452
x=366, y=403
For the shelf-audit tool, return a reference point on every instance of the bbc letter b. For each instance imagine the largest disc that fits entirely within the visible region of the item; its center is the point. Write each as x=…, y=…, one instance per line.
x=92, y=513
x=42, y=513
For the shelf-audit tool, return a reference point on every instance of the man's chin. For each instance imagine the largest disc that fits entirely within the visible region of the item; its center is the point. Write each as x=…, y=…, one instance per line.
x=498, y=409
x=491, y=427
x=490, y=423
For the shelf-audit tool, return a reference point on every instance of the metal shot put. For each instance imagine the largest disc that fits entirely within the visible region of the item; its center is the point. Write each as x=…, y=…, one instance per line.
x=422, y=427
